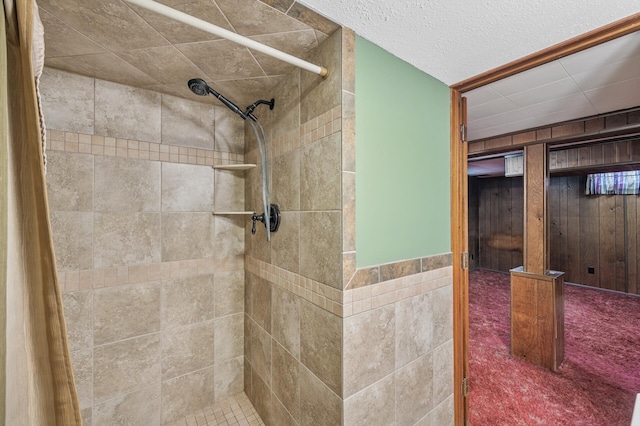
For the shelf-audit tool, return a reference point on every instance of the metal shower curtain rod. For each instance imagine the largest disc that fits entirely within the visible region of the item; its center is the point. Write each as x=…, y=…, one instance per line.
x=229, y=35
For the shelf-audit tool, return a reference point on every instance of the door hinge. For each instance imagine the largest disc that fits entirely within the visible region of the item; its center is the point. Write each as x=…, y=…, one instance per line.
x=464, y=260
x=465, y=387
x=463, y=133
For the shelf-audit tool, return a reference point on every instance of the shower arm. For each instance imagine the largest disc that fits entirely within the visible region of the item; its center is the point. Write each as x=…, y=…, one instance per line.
x=229, y=35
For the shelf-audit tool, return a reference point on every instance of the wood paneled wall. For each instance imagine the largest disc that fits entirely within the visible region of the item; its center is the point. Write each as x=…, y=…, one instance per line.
x=585, y=231
x=599, y=231
x=500, y=216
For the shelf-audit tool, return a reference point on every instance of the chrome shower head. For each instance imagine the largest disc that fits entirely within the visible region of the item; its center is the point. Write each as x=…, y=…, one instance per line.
x=199, y=86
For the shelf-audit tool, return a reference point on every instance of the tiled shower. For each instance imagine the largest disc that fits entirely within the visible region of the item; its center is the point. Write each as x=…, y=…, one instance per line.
x=170, y=309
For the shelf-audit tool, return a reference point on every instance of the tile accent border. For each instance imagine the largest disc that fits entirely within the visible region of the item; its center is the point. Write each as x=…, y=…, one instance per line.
x=326, y=124
x=410, y=278
x=110, y=277
x=59, y=140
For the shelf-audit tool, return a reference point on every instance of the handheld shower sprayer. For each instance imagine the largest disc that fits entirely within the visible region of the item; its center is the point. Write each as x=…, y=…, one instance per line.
x=201, y=88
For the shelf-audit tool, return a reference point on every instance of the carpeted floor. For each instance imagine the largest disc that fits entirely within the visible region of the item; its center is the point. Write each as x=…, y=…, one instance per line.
x=597, y=382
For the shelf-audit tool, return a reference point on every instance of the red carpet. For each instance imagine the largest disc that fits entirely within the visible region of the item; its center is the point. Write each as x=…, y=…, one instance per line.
x=597, y=382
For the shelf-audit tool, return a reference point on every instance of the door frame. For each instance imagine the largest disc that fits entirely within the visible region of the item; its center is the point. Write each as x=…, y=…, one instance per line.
x=459, y=190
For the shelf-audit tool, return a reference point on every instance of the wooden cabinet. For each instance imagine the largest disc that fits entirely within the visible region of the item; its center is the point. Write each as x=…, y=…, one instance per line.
x=537, y=317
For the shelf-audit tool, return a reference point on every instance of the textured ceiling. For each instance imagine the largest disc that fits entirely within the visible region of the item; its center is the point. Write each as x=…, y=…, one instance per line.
x=453, y=40
x=115, y=41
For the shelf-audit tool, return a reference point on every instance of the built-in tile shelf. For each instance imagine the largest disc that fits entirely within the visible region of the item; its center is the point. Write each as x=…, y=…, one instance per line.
x=239, y=167
x=231, y=213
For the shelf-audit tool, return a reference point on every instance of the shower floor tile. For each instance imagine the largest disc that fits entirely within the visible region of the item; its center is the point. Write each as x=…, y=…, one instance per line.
x=234, y=411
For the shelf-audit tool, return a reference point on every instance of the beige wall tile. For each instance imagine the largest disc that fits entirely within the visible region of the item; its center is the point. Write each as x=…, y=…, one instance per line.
x=286, y=243
x=123, y=312
x=187, y=394
x=319, y=94
x=348, y=132
x=286, y=181
x=70, y=181
x=126, y=239
x=279, y=414
x=258, y=301
x=247, y=377
x=86, y=416
x=187, y=236
x=82, y=363
x=391, y=271
x=297, y=43
x=127, y=112
x=229, y=236
x=442, y=300
x=78, y=314
x=137, y=408
x=319, y=406
x=442, y=415
x=414, y=328
x=286, y=114
x=320, y=177
x=348, y=60
x=372, y=406
x=260, y=342
x=229, y=292
x=229, y=337
x=186, y=187
x=286, y=379
x=187, y=301
x=229, y=131
x=369, y=348
x=321, y=344
x=348, y=211
x=229, y=190
x=186, y=122
x=125, y=366
x=67, y=101
x=414, y=390
x=261, y=398
x=187, y=349
x=126, y=185
x=285, y=320
x=72, y=239
x=229, y=378
x=443, y=372
x=321, y=247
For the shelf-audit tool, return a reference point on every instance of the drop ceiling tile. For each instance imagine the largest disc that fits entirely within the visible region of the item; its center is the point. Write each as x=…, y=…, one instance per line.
x=104, y=66
x=501, y=129
x=62, y=40
x=559, y=104
x=255, y=18
x=297, y=43
x=477, y=97
x=536, y=77
x=606, y=75
x=567, y=115
x=555, y=90
x=222, y=59
x=177, y=32
x=502, y=118
x=615, y=97
x=109, y=23
x=616, y=50
x=487, y=109
x=165, y=64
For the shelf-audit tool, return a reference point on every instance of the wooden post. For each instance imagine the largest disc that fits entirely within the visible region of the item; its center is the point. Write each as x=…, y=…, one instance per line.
x=537, y=294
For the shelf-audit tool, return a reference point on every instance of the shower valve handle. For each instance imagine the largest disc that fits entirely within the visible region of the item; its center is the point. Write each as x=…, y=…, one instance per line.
x=254, y=219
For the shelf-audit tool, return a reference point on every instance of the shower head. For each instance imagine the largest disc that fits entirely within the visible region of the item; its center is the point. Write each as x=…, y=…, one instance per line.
x=199, y=86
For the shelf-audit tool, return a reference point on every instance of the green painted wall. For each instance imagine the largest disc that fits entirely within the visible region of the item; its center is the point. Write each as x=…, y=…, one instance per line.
x=402, y=160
